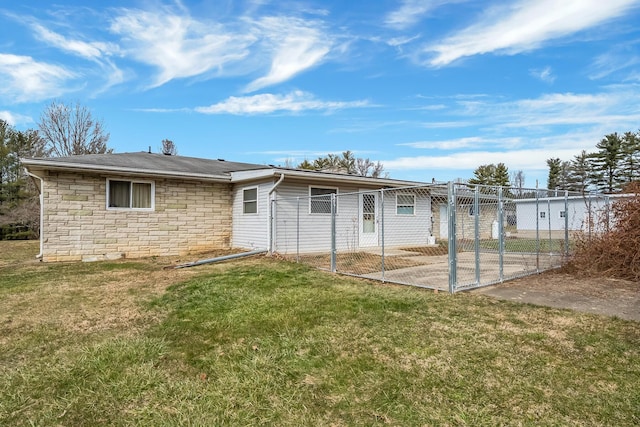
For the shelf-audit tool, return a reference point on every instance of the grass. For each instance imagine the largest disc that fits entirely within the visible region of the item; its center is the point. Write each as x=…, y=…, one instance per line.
x=266, y=342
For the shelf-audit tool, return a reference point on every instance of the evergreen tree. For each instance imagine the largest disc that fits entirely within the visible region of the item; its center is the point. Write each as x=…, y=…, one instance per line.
x=606, y=164
x=345, y=163
x=555, y=167
x=579, y=170
x=501, y=177
x=630, y=162
x=491, y=174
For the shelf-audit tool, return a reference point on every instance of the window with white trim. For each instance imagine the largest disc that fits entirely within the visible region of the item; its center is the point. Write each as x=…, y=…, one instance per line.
x=250, y=200
x=405, y=204
x=137, y=195
x=320, y=199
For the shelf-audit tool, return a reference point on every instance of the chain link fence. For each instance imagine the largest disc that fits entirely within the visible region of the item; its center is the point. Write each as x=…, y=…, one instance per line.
x=441, y=236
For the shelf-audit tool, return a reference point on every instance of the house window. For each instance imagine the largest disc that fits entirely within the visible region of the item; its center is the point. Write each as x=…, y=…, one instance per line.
x=250, y=200
x=543, y=215
x=320, y=199
x=130, y=195
x=405, y=204
x=563, y=214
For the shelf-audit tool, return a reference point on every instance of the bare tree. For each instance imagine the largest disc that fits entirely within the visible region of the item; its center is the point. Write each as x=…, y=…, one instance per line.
x=169, y=148
x=366, y=167
x=517, y=181
x=71, y=129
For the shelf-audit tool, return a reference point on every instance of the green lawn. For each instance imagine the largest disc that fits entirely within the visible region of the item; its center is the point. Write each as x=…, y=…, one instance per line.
x=265, y=342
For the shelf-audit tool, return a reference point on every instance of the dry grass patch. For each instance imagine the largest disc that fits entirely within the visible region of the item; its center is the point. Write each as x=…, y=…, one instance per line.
x=359, y=262
x=266, y=342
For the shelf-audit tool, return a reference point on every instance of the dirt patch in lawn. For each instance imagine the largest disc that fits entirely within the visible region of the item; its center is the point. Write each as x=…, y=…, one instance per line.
x=606, y=296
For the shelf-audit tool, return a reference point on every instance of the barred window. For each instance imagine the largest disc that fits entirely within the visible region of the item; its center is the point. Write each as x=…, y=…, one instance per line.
x=405, y=204
x=320, y=199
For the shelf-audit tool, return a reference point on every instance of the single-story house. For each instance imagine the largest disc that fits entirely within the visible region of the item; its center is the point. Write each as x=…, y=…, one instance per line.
x=103, y=206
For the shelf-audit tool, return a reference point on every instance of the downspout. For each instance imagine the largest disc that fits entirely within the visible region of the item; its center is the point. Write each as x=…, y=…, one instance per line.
x=41, y=196
x=270, y=235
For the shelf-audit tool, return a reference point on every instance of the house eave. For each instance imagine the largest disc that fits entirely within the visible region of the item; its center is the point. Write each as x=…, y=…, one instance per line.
x=319, y=176
x=41, y=165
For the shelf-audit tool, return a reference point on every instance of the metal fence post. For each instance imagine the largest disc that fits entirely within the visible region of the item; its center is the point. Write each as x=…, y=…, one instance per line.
x=451, y=213
x=297, y=229
x=537, y=231
x=476, y=213
x=382, y=230
x=566, y=223
x=333, y=232
x=501, y=233
x=549, y=222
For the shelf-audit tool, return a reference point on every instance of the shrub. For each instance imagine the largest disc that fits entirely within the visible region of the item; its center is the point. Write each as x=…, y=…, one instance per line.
x=616, y=252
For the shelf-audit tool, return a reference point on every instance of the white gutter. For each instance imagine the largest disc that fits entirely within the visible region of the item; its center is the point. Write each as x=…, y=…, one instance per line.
x=41, y=196
x=270, y=224
x=276, y=185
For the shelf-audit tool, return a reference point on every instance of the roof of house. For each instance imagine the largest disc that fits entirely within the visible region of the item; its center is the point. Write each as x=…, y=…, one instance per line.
x=143, y=163
x=150, y=164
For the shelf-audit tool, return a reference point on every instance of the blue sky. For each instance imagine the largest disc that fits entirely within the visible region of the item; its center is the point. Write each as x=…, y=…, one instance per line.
x=430, y=88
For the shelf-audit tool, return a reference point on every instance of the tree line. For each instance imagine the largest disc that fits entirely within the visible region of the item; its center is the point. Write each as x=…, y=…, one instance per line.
x=63, y=130
x=614, y=164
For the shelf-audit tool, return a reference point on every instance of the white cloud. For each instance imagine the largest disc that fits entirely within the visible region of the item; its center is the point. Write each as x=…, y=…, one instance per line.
x=14, y=118
x=97, y=52
x=545, y=74
x=527, y=159
x=267, y=103
x=526, y=25
x=412, y=11
x=296, y=46
x=87, y=50
x=612, y=62
x=177, y=45
x=468, y=142
x=22, y=79
x=614, y=108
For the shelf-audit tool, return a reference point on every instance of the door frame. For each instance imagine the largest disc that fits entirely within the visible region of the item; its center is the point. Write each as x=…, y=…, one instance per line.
x=368, y=239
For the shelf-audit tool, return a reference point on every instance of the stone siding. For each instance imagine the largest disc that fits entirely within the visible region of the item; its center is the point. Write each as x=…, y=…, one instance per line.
x=189, y=217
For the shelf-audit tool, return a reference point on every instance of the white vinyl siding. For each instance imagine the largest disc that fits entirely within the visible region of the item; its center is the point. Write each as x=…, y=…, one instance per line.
x=314, y=230
x=250, y=231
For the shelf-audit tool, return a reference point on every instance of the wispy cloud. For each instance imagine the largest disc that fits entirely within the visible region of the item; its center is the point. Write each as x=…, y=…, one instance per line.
x=468, y=142
x=95, y=51
x=526, y=159
x=267, y=103
x=14, y=118
x=411, y=12
x=552, y=125
x=84, y=49
x=525, y=25
x=614, y=61
x=545, y=74
x=178, y=45
x=614, y=108
x=296, y=46
x=22, y=79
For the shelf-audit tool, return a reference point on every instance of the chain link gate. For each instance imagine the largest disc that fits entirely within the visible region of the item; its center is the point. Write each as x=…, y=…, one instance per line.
x=440, y=236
